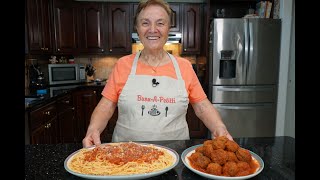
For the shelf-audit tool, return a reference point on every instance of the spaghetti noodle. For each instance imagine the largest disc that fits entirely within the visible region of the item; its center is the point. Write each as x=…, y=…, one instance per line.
x=120, y=159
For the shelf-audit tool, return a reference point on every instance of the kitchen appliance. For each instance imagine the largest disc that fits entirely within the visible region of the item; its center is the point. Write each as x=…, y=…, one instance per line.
x=65, y=73
x=173, y=37
x=243, y=74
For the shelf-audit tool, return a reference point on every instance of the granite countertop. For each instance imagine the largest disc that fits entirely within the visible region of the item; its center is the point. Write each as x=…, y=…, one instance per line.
x=46, y=161
x=55, y=92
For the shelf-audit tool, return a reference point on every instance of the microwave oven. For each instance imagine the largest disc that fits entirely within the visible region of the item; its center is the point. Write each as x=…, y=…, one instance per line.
x=66, y=74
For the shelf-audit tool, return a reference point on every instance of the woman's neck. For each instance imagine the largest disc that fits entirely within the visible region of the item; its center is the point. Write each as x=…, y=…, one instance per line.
x=153, y=58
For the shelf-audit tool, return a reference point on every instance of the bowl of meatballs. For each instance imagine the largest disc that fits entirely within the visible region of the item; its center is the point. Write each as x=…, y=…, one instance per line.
x=221, y=158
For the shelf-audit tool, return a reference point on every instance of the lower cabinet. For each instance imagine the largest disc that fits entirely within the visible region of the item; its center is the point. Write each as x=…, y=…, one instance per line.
x=197, y=130
x=44, y=125
x=85, y=100
x=106, y=135
x=67, y=121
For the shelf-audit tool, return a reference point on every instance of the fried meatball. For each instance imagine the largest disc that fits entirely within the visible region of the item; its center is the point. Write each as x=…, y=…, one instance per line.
x=232, y=156
x=199, y=160
x=199, y=149
x=243, y=155
x=207, y=150
x=244, y=168
x=214, y=168
x=219, y=156
x=219, y=142
x=230, y=169
x=231, y=146
x=207, y=142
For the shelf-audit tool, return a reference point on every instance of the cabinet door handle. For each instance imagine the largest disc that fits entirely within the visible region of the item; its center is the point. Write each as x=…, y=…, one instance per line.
x=47, y=113
x=67, y=102
x=110, y=50
x=47, y=126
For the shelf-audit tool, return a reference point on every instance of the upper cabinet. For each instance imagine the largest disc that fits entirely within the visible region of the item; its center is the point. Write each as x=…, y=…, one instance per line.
x=39, y=26
x=118, y=31
x=78, y=27
x=175, y=18
x=191, y=28
x=65, y=26
x=91, y=27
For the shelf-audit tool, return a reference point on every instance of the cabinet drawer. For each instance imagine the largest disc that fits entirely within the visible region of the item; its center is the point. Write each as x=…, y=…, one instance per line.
x=64, y=104
x=42, y=115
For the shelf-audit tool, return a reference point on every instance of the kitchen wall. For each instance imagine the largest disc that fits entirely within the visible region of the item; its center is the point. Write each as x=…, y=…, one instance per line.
x=104, y=64
x=286, y=99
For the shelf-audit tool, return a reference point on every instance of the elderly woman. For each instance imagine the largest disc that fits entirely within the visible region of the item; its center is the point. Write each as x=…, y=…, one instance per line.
x=152, y=88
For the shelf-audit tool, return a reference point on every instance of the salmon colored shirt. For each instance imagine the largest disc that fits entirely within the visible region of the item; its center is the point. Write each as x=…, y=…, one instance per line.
x=122, y=69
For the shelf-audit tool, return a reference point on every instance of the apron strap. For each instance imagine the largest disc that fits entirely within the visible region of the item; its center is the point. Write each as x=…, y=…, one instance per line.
x=176, y=66
x=173, y=59
x=135, y=62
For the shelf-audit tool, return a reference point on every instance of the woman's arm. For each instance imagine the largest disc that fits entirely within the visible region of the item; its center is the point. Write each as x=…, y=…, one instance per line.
x=98, y=122
x=211, y=118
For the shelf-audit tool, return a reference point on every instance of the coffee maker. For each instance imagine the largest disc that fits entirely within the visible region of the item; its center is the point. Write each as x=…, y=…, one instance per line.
x=37, y=82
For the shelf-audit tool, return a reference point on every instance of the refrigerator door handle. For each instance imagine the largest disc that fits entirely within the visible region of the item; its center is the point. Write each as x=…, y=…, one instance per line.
x=246, y=47
x=251, y=42
x=236, y=107
x=245, y=89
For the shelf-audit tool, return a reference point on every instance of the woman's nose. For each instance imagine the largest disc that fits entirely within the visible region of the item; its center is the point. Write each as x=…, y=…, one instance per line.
x=153, y=27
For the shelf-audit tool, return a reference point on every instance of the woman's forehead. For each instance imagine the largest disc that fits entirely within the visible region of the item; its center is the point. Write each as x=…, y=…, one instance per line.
x=154, y=12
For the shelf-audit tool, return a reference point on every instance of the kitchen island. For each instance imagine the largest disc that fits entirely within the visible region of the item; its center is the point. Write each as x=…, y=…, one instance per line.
x=46, y=161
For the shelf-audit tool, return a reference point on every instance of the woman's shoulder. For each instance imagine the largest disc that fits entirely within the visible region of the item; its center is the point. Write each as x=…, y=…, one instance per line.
x=183, y=62
x=127, y=59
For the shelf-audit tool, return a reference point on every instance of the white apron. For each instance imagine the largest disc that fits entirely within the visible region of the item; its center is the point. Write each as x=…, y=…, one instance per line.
x=152, y=107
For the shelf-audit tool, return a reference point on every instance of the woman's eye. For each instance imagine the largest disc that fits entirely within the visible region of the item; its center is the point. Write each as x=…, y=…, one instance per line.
x=145, y=23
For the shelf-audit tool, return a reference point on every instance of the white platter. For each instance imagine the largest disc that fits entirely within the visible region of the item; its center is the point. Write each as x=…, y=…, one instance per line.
x=186, y=153
x=172, y=152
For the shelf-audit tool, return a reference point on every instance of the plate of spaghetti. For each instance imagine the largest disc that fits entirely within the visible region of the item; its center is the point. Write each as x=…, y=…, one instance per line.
x=222, y=159
x=123, y=160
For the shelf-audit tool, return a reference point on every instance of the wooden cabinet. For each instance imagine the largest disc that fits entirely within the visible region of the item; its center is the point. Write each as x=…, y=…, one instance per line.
x=91, y=27
x=197, y=129
x=39, y=26
x=176, y=18
x=85, y=100
x=106, y=135
x=65, y=26
x=43, y=125
x=118, y=23
x=191, y=28
x=66, y=119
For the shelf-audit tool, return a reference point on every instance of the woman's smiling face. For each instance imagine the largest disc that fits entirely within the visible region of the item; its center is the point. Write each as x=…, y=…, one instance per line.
x=153, y=25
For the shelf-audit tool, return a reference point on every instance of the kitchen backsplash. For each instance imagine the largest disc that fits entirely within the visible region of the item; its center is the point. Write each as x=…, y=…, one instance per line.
x=104, y=65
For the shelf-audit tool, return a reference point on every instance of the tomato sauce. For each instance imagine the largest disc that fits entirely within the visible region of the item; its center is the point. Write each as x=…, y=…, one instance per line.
x=124, y=153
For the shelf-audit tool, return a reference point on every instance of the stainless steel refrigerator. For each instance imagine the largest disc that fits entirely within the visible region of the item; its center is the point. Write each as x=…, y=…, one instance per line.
x=243, y=74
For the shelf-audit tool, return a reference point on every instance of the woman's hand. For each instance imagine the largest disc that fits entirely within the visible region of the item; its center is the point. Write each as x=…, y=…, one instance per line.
x=221, y=131
x=92, y=138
